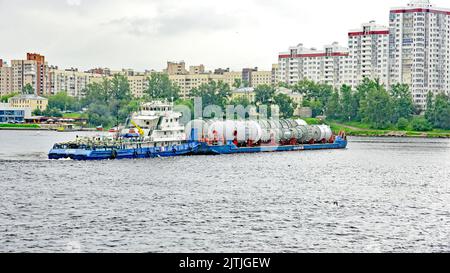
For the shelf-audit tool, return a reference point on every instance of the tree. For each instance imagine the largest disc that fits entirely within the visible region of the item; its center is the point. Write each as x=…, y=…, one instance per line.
x=243, y=101
x=237, y=83
x=429, y=112
x=402, y=123
x=402, y=102
x=442, y=111
x=376, y=107
x=286, y=105
x=264, y=94
x=421, y=124
x=99, y=115
x=5, y=98
x=63, y=102
x=113, y=98
x=349, y=103
x=160, y=87
x=213, y=93
x=333, y=107
x=315, y=95
x=28, y=89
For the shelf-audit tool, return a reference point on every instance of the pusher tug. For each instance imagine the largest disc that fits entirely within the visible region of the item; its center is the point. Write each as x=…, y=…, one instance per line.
x=156, y=131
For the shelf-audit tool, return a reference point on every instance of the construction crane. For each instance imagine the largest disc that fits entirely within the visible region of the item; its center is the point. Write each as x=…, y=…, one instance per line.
x=141, y=132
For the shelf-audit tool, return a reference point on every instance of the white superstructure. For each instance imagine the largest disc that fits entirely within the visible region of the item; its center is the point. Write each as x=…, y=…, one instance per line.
x=159, y=122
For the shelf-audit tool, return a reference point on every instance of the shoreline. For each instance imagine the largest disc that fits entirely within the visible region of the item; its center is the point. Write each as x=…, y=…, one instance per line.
x=353, y=134
x=397, y=136
x=47, y=129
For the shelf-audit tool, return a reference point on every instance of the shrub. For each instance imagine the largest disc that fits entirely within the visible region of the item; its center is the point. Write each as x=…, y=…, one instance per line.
x=402, y=124
x=421, y=125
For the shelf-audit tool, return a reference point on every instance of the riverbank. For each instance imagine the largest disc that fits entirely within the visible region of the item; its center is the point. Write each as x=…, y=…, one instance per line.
x=36, y=127
x=355, y=129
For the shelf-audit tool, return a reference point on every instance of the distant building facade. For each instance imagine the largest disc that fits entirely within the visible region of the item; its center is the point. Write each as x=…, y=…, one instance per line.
x=33, y=102
x=323, y=66
x=419, y=49
x=368, y=54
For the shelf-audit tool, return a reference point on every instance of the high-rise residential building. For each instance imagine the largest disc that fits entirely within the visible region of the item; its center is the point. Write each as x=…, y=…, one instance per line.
x=368, y=54
x=324, y=66
x=71, y=81
x=419, y=46
x=5, y=79
x=32, y=71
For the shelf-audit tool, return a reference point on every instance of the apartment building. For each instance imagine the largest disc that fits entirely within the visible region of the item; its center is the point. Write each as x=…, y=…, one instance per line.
x=368, y=54
x=176, y=68
x=329, y=65
x=5, y=79
x=419, y=46
x=32, y=71
x=71, y=81
x=260, y=78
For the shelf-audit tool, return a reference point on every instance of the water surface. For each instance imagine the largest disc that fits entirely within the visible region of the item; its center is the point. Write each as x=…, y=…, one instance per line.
x=379, y=195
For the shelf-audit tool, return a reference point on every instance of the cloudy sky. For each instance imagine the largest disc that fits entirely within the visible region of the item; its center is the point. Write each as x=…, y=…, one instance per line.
x=145, y=34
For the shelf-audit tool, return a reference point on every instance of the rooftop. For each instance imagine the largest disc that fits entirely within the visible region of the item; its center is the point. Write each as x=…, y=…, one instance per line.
x=28, y=97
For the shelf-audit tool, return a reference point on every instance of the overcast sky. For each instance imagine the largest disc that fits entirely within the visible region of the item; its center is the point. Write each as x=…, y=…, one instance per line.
x=145, y=34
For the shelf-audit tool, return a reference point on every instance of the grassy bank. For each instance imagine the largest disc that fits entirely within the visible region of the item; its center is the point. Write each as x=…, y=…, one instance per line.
x=74, y=115
x=23, y=126
x=361, y=129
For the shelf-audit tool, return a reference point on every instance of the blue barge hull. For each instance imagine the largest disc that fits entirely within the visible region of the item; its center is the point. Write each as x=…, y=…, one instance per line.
x=190, y=148
x=112, y=153
x=230, y=148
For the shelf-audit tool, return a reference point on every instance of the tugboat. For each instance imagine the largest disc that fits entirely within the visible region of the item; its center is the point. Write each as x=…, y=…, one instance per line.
x=156, y=131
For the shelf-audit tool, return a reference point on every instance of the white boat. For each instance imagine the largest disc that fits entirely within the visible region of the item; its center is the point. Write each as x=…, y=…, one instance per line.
x=156, y=122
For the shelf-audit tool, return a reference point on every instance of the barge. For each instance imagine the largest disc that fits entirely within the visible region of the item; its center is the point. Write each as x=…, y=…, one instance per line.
x=156, y=131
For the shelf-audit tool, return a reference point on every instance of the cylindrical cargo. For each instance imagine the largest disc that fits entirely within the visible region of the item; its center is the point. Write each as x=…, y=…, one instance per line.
x=253, y=130
x=304, y=134
x=284, y=124
x=297, y=133
x=286, y=134
x=301, y=122
x=292, y=123
x=276, y=134
x=316, y=133
x=265, y=135
x=241, y=130
x=326, y=132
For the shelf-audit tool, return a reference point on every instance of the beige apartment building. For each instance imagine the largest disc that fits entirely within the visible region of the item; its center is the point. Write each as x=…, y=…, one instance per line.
x=138, y=85
x=5, y=79
x=32, y=71
x=28, y=101
x=260, y=78
x=176, y=68
x=71, y=81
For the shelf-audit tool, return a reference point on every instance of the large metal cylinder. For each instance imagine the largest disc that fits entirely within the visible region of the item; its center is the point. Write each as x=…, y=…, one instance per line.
x=316, y=133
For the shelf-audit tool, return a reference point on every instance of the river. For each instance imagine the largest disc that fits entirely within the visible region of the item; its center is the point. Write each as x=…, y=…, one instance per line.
x=379, y=195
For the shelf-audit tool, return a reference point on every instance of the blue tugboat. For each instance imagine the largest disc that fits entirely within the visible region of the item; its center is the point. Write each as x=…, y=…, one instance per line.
x=156, y=131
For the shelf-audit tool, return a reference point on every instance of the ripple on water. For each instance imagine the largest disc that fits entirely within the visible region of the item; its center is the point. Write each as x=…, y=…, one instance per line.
x=379, y=195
